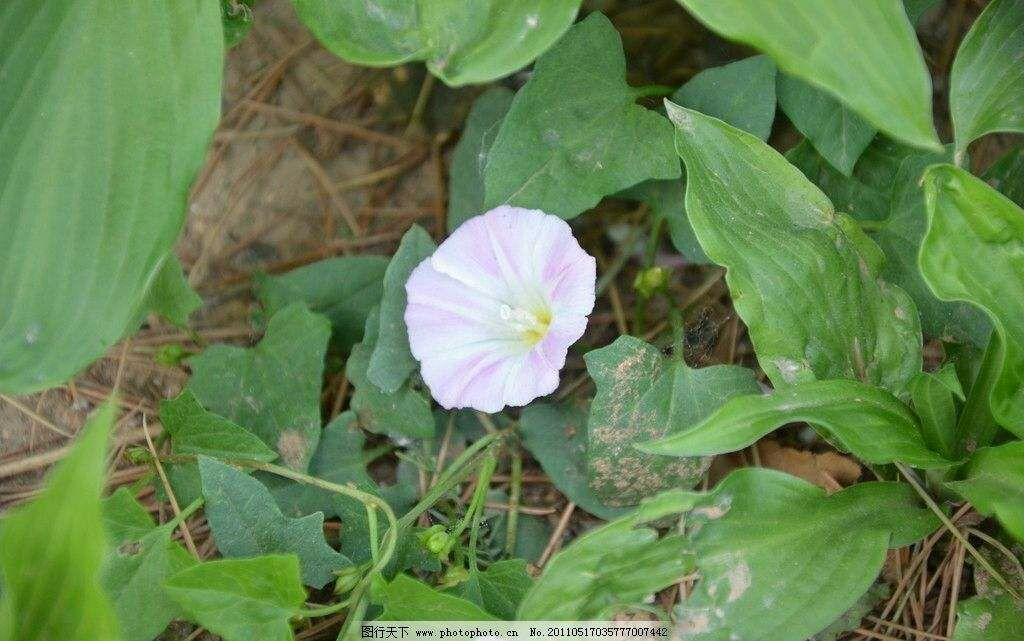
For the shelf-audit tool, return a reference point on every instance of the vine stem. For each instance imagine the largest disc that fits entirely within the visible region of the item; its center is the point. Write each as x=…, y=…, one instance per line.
x=514, y=496
x=955, y=531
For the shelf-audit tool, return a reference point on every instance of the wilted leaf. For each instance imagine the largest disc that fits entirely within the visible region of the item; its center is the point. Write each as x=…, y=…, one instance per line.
x=90, y=211
x=741, y=93
x=466, y=174
x=498, y=589
x=574, y=132
x=865, y=53
x=50, y=555
x=194, y=431
x=242, y=599
x=273, y=388
x=971, y=252
x=986, y=83
x=994, y=483
x=643, y=395
x=828, y=470
x=246, y=522
x=825, y=550
x=406, y=599
x=461, y=42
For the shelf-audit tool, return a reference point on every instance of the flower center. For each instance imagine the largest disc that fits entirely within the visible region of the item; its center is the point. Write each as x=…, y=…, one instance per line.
x=531, y=326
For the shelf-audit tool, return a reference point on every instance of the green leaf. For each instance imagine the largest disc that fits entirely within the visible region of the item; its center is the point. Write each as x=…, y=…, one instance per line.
x=170, y=295
x=851, y=619
x=344, y=289
x=499, y=589
x=642, y=395
x=117, y=187
x=391, y=361
x=665, y=198
x=604, y=571
x=917, y=8
x=51, y=550
x=933, y=403
x=238, y=17
x=246, y=522
x=864, y=53
x=406, y=412
x=466, y=174
x=986, y=83
x=1007, y=175
x=242, y=599
x=803, y=277
x=273, y=388
x=193, y=430
x=994, y=483
x=971, y=252
x=760, y=529
x=865, y=420
x=406, y=599
x=124, y=519
x=135, y=583
x=839, y=134
x=989, y=619
x=462, y=43
x=574, y=132
x=741, y=93
x=556, y=435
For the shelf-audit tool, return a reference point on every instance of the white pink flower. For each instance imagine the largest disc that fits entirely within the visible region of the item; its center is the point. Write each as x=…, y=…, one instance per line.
x=493, y=311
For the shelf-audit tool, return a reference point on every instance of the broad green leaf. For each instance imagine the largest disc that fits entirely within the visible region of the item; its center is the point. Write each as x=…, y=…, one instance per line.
x=864, y=53
x=994, y=483
x=499, y=589
x=466, y=174
x=135, y=580
x=51, y=550
x=237, y=16
x=917, y=8
x=406, y=599
x=934, y=404
x=665, y=198
x=643, y=395
x=246, y=522
x=194, y=431
x=556, y=435
x=761, y=529
x=989, y=619
x=971, y=252
x=391, y=361
x=865, y=420
x=851, y=619
x=273, y=388
x=90, y=211
x=124, y=519
x=406, y=412
x=241, y=599
x=741, y=93
x=839, y=134
x=344, y=289
x=803, y=277
x=461, y=42
x=606, y=570
x=986, y=83
x=574, y=132
x=170, y=295
x=1006, y=175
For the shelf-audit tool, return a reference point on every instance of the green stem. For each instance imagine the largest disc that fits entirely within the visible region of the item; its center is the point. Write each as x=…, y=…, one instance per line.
x=189, y=510
x=327, y=610
x=476, y=508
x=653, y=90
x=514, y=495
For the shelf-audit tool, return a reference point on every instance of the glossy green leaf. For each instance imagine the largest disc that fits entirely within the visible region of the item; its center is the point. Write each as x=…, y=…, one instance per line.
x=273, y=388
x=994, y=483
x=193, y=430
x=606, y=570
x=971, y=252
x=406, y=412
x=245, y=522
x=839, y=134
x=117, y=187
x=51, y=550
x=933, y=402
x=466, y=174
x=741, y=93
x=241, y=599
x=864, y=53
x=986, y=83
x=1006, y=175
x=643, y=395
x=499, y=589
x=461, y=42
x=574, y=132
x=556, y=435
x=124, y=519
x=989, y=619
x=865, y=420
x=170, y=295
x=761, y=529
x=803, y=277
x=344, y=289
x=391, y=361
x=406, y=599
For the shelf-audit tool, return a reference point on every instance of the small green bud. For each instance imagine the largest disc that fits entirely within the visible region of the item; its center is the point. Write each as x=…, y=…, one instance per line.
x=454, y=576
x=348, y=578
x=650, y=280
x=435, y=539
